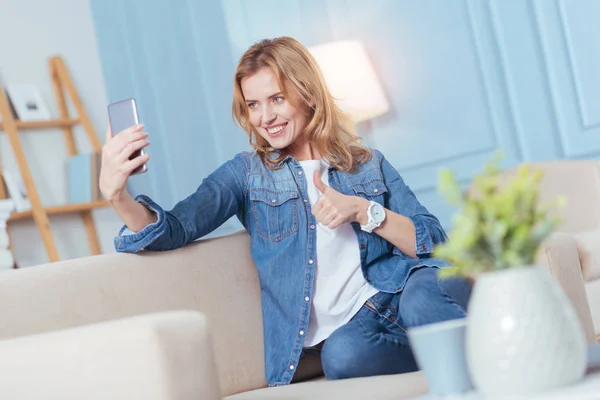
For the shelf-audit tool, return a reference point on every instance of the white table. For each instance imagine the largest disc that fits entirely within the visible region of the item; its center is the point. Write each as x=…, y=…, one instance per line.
x=586, y=389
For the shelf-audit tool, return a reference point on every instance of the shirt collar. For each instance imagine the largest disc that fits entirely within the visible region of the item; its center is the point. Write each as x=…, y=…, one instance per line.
x=273, y=155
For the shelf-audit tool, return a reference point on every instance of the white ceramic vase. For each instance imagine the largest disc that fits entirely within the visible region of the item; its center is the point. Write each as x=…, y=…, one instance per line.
x=523, y=334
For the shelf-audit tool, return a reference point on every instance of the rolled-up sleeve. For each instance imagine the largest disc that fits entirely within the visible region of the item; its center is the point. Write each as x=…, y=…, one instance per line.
x=428, y=233
x=401, y=199
x=219, y=197
x=129, y=241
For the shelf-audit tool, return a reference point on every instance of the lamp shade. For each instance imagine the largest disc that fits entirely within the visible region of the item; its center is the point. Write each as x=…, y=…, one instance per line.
x=351, y=79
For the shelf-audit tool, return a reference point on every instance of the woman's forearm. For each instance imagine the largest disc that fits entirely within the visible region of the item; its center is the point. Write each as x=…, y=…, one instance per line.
x=399, y=231
x=396, y=229
x=133, y=214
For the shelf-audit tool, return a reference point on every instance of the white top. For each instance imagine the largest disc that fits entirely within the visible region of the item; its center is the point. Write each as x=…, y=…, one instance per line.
x=339, y=289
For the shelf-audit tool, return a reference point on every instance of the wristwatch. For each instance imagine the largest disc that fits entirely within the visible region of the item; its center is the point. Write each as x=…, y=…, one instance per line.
x=376, y=214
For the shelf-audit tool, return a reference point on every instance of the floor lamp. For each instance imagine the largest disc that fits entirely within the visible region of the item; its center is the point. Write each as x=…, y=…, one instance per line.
x=351, y=80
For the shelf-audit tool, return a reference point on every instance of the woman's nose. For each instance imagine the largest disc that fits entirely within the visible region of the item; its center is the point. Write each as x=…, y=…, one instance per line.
x=268, y=116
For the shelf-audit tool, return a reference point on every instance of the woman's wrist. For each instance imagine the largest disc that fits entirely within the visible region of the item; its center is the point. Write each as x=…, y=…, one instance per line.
x=362, y=205
x=118, y=198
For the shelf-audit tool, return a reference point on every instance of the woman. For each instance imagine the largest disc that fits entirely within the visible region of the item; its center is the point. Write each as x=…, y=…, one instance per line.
x=341, y=244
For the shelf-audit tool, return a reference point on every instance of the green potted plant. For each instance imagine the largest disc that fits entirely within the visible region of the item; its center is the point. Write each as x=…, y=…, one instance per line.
x=523, y=334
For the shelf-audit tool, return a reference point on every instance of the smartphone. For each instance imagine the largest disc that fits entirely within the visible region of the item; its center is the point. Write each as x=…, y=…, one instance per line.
x=122, y=115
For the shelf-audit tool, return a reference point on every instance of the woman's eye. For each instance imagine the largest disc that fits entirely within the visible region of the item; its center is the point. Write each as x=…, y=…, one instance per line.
x=252, y=105
x=278, y=99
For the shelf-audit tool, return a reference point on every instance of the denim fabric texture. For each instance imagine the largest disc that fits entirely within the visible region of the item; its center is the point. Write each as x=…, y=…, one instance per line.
x=274, y=208
x=375, y=341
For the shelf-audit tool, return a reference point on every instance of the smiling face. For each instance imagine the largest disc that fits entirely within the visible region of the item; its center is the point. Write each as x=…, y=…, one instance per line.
x=270, y=112
x=281, y=101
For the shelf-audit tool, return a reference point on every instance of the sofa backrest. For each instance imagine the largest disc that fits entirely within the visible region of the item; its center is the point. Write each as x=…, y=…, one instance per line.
x=214, y=276
x=579, y=182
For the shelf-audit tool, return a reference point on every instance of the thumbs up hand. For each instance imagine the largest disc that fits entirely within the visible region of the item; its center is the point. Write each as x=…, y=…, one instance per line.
x=334, y=208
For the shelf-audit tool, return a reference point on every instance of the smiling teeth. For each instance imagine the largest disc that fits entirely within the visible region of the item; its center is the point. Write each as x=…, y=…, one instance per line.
x=277, y=129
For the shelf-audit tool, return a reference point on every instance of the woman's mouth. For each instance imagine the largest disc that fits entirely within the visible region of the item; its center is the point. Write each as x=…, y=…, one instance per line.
x=276, y=130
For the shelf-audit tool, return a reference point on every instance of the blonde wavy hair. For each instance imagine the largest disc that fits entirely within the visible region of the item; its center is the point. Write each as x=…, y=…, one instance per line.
x=297, y=72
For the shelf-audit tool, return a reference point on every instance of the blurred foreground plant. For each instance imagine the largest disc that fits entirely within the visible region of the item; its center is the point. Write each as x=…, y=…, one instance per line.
x=499, y=224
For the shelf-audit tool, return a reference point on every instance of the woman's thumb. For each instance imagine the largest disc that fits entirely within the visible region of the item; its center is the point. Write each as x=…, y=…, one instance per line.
x=318, y=182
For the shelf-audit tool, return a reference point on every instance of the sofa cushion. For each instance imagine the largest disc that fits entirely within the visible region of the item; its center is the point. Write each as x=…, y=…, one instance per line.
x=160, y=356
x=592, y=290
x=579, y=182
x=588, y=244
x=392, y=387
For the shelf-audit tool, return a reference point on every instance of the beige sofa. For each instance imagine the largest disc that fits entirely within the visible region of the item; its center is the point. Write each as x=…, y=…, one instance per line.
x=186, y=324
x=573, y=252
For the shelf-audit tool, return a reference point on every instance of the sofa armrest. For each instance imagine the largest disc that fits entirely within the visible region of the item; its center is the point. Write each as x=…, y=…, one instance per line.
x=560, y=254
x=155, y=356
x=216, y=277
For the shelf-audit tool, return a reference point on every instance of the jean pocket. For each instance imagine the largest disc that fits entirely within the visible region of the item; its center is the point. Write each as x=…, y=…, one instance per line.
x=275, y=213
x=381, y=304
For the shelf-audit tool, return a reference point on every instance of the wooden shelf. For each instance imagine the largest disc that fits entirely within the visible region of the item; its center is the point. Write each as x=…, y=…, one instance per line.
x=51, y=123
x=62, y=209
x=64, y=89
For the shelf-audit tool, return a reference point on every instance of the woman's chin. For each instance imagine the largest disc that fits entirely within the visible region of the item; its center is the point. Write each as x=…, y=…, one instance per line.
x=278, y=143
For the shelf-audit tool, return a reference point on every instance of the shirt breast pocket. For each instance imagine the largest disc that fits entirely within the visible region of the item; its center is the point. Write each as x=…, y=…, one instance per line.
x=275, y=213
x=371, y=190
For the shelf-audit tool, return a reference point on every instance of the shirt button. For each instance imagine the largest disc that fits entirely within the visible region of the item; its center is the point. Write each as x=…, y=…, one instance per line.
x=306, y=298
x=312, y=227
x=306, y=201
x=300, y=173
x=362, y=246
x=375, y=190
x=291, y=367
x=310, y=261
x=273, y=201
x=301, y=333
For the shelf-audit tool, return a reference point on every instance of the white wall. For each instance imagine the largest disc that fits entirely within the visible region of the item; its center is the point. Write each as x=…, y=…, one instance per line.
x=31, y=31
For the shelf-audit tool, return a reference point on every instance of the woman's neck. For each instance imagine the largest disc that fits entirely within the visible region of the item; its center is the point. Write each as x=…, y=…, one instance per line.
x=305, y=151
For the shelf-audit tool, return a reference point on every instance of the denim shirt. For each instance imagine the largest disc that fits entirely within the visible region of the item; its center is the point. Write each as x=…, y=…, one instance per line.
x=274, y=208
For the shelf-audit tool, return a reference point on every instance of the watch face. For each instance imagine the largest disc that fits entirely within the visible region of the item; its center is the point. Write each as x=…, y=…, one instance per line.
x=377, y=213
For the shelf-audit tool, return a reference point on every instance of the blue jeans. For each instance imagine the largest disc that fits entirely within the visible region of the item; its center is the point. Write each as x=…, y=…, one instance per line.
x=375, y=342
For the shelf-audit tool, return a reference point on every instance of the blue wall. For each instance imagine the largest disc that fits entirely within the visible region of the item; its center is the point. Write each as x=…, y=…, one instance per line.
x=463, y=77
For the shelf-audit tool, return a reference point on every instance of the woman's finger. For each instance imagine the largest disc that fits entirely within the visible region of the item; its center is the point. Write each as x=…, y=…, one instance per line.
x=317, y=207
x=132, y=129
x=322, y=213
x=327, y=219
x=130, y=165
x=120, y=139
x=118, y=142
x=126, y=139
x=131, y=148
x=335, y=223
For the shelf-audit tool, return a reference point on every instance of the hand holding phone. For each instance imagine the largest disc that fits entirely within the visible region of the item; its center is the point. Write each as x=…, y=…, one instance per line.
x=122, y=115
x=122, y=154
